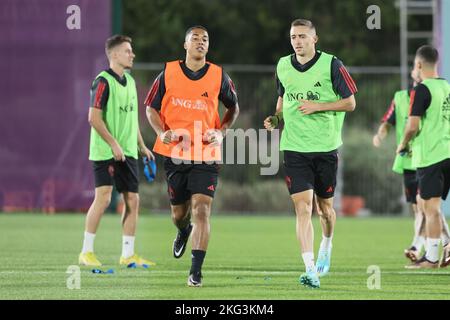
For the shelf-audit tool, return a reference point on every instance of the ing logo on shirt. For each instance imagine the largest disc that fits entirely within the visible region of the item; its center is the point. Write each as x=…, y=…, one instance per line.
x=126, y=109
x=190, y=104
x=310, y=95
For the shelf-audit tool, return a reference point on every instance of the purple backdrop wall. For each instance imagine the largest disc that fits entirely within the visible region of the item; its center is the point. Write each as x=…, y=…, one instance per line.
x=47, y=71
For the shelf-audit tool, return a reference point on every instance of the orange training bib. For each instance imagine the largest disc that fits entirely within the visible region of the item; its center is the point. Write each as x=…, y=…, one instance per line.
x=190, y=108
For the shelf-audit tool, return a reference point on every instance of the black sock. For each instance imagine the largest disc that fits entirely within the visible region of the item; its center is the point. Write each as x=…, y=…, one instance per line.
x=197, y=261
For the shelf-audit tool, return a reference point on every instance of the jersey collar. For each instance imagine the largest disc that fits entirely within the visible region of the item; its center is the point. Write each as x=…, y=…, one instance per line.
x=304, y=67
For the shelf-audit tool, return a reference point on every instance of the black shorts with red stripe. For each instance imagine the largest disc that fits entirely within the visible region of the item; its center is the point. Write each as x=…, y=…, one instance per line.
x=187, y=179
x=311, y=171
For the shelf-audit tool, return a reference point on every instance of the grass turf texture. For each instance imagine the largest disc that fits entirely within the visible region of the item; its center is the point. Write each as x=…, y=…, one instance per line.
x=248, y=258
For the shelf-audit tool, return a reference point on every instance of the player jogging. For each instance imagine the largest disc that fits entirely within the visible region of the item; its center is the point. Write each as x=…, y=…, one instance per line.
x=182, y=107
x=315, y=90
x=428, y=127
x=397, y=115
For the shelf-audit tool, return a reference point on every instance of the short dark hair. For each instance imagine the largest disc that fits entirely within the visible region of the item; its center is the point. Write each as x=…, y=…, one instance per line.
x=114, y=41
x=189, y=30
x=303, y=22
x=428, y=54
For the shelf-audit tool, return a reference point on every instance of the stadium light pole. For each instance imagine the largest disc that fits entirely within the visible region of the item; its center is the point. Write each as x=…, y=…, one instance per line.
x=116, y=16
x=441, y=25
x=404, y=43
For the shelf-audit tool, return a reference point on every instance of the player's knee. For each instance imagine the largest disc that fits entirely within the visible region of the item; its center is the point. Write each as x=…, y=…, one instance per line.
x=177, y=215
x=103, y=199
x=303, y=207
x=132, y=200
x=201, y=210
x=103, y=203
x=179, y=212
x=326, y=210
x=431, y=207
x=326, y=214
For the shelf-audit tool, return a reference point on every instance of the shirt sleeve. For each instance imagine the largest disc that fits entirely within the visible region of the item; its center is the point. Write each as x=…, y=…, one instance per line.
x=228, y=94
x=389, y=116
x=99, y=93
x=419, y=100
x=280, y=88
x=156, y=93
x=343, y=83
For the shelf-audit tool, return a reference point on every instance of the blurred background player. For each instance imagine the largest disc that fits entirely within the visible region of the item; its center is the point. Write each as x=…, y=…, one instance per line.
x=115, y=142
x=312, y=102
x=185, y=97
x=396, y=116
x=428, y=127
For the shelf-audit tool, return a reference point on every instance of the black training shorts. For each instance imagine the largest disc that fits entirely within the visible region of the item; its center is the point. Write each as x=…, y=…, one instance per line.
x=434, y=180
x=312, y=170
x=123, y=174
x=186, y=179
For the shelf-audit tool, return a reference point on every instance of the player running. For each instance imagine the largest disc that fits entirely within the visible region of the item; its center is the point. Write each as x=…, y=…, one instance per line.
x=115, y=142
x=397, y=115
x=315, y=90
x=428, y=127
x=182, y=108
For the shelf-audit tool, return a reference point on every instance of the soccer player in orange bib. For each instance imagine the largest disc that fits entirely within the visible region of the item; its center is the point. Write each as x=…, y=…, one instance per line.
x=182, y=108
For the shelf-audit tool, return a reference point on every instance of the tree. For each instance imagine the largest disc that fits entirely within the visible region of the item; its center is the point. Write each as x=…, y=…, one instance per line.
x=257, y=32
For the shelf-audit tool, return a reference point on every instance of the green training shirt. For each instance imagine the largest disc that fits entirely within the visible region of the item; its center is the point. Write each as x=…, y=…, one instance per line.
x=317, y=132
x=121, y=119
x=432, y=143
x=401, y=102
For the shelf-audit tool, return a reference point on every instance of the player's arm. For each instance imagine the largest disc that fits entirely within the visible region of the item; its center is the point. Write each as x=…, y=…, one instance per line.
x=387, y=122
x=420, y=100
x=153, y=106
x=228, y=96
x=215, y=137
x=343, y=85
x=153, y=117
x=411, y=129
x=229, y=118
x=144, y=151
x=344, y=105
x=381, y=134
x=271, y=122
x=279, y=107
x=99, y=99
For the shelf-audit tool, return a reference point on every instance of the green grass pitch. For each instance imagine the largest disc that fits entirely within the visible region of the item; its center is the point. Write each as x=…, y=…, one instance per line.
x=249, y=257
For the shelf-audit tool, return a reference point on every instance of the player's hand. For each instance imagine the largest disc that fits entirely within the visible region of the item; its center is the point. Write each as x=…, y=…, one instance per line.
x=145, y=152
x=271, y=123
x=401, y=149
x=213, y=136
x=118, y=152
x=168, y=136
x=308, y=107
x=376, y=141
